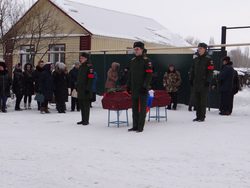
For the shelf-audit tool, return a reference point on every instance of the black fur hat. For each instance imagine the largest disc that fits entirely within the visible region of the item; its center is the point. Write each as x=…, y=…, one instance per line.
x=227, y=59
x=139, y=45
x=203, y=45
x=84, y=54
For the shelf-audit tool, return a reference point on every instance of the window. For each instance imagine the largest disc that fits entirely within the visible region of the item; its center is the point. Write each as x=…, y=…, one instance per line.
x=27, y=54
x=59, y=53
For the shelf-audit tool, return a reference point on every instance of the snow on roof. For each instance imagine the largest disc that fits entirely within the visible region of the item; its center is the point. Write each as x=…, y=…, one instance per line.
x=110, y=23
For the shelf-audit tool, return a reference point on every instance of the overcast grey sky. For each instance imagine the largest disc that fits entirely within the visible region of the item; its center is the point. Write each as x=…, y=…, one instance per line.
x=201, y=19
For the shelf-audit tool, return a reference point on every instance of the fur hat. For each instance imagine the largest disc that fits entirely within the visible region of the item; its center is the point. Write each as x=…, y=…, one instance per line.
x=227, y=59
x=203, y=45
x=61, y=66
x=139, y=45
x=84, y=54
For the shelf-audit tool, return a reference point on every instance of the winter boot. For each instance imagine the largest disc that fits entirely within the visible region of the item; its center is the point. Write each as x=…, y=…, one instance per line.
x=47, y=111
x=42, y=110
x=29, y=106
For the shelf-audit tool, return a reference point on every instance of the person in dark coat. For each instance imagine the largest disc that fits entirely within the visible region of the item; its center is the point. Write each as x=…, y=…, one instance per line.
x=28, y=85
x=84, y=87
x=124, y=77
x=60, y=79
x=226, y=77
x=18, y=85
x=200, y=78
x=36, y=76
x=73, y=73
x=46, y=87
x=5, y=83
x=94, y=89
x=236, y=87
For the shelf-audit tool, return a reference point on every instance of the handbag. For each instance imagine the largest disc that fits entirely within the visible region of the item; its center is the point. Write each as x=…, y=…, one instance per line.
x=39, y=97
x=74, y=93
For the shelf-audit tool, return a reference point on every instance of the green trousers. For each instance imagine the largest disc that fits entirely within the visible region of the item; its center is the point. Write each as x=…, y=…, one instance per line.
x=201, y=104
x=85, y=109
x=139, y=112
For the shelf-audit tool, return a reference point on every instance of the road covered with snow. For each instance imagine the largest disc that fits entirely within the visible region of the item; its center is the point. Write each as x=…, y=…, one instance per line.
x=51, y=151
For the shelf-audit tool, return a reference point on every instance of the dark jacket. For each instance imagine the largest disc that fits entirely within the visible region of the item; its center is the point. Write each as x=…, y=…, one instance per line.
x=124, y=78
x=140, y=75
x=84, y=81
x=201, y=73
x=226, y=77
x=46, y=85
x=18, y=82
x=36, y=77
x=5, y=83
x=28, y=81
x=94, y=83
x=60, y=86
x=236, y=83
x=73, y=73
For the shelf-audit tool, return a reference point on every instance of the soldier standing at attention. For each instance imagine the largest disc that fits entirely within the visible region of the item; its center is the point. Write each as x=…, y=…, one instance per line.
x=84, y=87
x=200, y=78
x=139, y=79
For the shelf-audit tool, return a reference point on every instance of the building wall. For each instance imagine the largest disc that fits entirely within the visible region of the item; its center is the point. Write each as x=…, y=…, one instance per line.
x=111, y=43
x=44, y=9
x=72, y=42
x=67, y=27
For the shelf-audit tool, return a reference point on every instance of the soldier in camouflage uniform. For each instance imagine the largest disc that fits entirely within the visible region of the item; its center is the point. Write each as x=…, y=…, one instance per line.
x=84, y=87
x=139, y=79
x=200, y=78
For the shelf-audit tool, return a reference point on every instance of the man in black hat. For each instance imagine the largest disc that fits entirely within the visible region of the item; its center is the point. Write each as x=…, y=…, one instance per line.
x=84, y=87
x=226, y=80
x=200, y=77
x=140, y=76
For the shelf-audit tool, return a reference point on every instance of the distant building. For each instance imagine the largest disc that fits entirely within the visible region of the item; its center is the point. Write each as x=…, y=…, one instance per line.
x=84, y=27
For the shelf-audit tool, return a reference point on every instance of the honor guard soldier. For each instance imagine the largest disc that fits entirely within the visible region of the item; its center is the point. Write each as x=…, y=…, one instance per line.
x=84, y=87
x=200, y=77
x=139, y=79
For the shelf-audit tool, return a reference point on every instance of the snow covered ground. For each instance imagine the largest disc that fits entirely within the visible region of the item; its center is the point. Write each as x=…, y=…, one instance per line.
x=51, y=151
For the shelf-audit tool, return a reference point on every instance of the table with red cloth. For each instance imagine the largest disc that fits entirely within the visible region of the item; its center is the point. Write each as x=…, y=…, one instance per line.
x=161, y=100
x=122, y=101
x=117, y=102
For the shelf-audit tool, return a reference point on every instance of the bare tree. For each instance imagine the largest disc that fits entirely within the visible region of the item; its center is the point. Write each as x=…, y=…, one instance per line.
x=240, y=58
x=10, y=13
x=211, y=41
x=192, y=41
x=42, y=30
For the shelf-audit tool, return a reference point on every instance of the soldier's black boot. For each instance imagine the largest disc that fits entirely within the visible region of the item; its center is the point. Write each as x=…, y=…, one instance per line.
x=132, y=129
x=85, y=123
x=196, y=119
x=79, y=123
x=201, y=120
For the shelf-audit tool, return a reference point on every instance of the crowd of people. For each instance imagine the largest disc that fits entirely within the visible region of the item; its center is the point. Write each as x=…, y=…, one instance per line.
x=49, y=82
